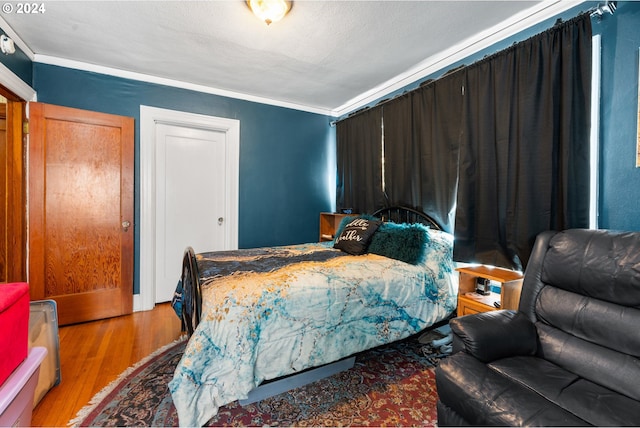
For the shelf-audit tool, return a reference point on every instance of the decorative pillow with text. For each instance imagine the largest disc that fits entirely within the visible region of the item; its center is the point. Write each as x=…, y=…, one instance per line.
x=356, y=235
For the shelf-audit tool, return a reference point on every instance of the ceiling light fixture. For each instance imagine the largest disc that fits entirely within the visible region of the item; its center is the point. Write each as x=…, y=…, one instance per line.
x=270, y=11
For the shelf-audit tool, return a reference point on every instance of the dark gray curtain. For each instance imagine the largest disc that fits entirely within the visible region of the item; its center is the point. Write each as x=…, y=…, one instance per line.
x=402, y=169
x=422, y=132
x=524, y=157
x=359, y=162
x=501, y=145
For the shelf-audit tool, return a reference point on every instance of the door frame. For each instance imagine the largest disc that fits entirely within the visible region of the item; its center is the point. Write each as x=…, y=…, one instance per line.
x=15, y=84
x=149, y=118
x=18, y=95
x=16, y=194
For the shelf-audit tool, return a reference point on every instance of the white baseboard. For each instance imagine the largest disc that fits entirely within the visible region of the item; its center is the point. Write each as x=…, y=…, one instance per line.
x=137, y=303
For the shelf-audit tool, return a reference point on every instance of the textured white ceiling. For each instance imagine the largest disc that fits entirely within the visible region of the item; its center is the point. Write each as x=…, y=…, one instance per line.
x=323, y=56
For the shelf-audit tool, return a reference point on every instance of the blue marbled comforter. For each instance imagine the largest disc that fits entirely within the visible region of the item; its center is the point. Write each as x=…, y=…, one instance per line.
x=285, y=309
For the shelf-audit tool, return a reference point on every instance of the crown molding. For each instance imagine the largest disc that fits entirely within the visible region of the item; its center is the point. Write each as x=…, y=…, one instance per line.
x=16, y=85
x=519, y=22
x=544, y=10
x=83, y=66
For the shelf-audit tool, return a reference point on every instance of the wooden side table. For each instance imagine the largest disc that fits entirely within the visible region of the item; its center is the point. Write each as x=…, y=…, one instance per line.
x=470, y=302
x=329, y=222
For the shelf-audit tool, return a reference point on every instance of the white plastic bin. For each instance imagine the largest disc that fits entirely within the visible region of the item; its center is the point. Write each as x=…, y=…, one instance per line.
x=16, y=393
x=43, y=331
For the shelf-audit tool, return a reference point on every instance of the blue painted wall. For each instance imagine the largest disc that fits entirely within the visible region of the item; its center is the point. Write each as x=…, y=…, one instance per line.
x=619, y=203
x=284, y=154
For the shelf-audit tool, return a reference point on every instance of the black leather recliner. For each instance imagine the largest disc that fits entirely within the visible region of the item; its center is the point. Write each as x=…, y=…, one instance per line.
x=570, y=355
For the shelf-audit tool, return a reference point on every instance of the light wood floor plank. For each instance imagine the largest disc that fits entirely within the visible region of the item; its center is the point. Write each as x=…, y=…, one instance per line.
x=94, y=354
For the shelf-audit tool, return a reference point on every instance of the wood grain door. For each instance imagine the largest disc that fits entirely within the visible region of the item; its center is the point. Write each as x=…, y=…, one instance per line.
x=12, y=194
x=81, y=211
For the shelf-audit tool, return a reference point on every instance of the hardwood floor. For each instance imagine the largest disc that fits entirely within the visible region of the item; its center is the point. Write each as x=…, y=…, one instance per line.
x=94, y=354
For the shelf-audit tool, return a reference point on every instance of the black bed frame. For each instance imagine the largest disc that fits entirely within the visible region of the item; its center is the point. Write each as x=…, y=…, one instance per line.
x=406, y=215
x=191, y=293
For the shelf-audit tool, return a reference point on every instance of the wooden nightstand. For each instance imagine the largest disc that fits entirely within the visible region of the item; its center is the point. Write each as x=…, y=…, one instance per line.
x=329, y=222
x=470, y=302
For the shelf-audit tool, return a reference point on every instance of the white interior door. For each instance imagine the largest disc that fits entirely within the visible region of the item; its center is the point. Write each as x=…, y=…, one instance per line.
x=190, y=198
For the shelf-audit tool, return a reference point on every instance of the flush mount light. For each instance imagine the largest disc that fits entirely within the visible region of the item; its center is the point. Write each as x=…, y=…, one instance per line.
x=270, y=11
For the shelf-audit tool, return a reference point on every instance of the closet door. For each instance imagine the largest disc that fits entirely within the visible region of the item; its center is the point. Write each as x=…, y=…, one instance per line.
x=81, y=211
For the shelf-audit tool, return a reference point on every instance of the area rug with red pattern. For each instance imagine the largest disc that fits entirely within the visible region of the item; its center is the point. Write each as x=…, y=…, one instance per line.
x=392, y=385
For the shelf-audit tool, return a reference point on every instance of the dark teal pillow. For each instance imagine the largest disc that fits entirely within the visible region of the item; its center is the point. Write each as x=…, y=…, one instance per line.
x=404, y=242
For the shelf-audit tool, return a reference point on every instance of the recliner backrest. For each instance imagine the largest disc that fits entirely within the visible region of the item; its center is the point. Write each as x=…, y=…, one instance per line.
x=582, y=289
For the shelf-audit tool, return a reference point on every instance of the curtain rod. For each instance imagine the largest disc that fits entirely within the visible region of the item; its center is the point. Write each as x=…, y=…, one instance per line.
x=598, y=11
x=601, y=9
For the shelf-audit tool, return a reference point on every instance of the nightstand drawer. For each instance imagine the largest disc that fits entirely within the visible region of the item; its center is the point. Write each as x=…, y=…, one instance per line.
x=472, y=305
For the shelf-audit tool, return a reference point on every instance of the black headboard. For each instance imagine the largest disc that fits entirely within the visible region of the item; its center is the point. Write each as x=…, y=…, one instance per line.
x=406, y=215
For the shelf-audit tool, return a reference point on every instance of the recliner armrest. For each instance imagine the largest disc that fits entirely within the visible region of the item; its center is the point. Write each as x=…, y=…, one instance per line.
x=489, y=336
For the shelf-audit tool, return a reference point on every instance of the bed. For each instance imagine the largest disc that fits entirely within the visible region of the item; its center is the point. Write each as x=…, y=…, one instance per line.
x=261, y=314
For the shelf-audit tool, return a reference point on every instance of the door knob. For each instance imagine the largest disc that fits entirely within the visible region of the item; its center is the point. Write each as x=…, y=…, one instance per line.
x=126, y=225
x=220, y=220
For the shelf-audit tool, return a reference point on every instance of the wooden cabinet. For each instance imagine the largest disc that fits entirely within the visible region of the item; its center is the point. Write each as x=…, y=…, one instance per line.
x=470, y=302
x=329, y=222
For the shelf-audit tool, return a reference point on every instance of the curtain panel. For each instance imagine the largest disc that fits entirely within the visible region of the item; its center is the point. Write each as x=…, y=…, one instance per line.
x=402, y=169
x=359, y=162
x=497, y=152
x=524, y=157
x=422, y=132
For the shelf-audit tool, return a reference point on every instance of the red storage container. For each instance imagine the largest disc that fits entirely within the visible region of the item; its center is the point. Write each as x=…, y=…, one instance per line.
x=14, y=327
